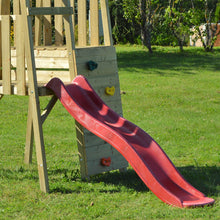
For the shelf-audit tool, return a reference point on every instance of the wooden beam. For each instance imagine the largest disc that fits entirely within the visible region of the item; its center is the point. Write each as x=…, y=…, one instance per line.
x=58, y=25
x=34, y=99
x=6, y=50
x=38, y=25
x=106, y=21
x=20, y=57
x=29, y=135
x=47, y=24
x=94, y=23
x=70, y=43
x=48, y=109
x=16, y=11
x=50, y=11
x=4, y=10
x=82, y=30
x=72, y=4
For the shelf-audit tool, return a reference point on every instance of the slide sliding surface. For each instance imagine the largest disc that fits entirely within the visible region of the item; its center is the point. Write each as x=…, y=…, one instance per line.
x=145, y=156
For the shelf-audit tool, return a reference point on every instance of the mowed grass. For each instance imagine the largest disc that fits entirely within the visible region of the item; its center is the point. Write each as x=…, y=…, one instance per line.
x=173, y=96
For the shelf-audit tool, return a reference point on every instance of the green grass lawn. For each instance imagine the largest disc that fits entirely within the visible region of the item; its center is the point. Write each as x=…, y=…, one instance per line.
x=173, y=96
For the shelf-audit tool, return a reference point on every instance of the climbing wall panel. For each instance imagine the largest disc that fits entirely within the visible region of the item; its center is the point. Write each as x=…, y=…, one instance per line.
x=102, y=76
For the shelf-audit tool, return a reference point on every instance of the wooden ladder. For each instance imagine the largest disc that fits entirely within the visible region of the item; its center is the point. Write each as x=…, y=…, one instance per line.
x=35, y=119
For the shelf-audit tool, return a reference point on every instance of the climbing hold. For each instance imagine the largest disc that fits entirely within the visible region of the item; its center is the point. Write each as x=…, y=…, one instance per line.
x=92, y=65
x=106, y=161
x=110, y=90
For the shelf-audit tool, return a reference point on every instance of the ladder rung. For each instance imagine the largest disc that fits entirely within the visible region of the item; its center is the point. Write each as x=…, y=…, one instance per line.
x=50, y=11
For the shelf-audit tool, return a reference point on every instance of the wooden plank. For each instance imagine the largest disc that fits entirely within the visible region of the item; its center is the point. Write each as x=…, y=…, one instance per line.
x=89, y=139
x=42, y=90
x=81, y=149
x=4, y=7
x=70, y=43
x=50, y=11
x=47, y=25
x=102, y=51
x=100, y=71
x=82, y=23
x=58, y=25
x=94, y=166
x=4, y=10
x=72, y=4
x=94, y=23
x=54, y=51
x=105, y=57
x=16, y=11
x=16, y=7
x=6, y=50
x=48, y=109
x=34, y=99
x=56, y=63
x=29, y=135
x=106, y=21
x=20, y=57
x=90, y=156
x=38, y=25
x=46, y=76
x=100, y=151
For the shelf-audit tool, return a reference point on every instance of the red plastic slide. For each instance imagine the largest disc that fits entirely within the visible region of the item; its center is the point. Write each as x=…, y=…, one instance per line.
x=138, y=148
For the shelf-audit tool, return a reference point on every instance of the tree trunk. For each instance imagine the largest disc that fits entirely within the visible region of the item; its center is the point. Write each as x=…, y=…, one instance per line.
x=145, y=26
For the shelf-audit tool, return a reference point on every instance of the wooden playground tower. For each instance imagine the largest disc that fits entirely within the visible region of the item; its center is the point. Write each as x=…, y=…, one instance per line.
x=35, y=52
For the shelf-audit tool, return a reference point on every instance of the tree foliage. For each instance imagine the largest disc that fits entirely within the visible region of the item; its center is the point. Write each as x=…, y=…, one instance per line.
x=143, y=13
x=178, y=19
x=207, y=30
x=164, y=22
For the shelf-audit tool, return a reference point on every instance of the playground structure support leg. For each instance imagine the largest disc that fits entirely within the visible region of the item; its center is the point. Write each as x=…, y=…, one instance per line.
x=29, y=136
x=34, y=117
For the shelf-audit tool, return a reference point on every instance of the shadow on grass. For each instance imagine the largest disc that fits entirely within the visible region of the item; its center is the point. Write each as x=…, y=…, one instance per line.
x=162, y=61
x=206, y=179
x=128, y=179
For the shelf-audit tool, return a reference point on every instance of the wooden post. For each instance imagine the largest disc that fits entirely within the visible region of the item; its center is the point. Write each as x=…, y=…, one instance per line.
x=82, y=35
x=47, y=25
x=29, y=135
x=16, y=11
x=58, y=25
x=70, y=42
x=4, y=10
x=6, y=50
x=20, y=57
x=38, y=25
x=106, y=21
x=34, y=106
x=72, y=4
x=94, y=23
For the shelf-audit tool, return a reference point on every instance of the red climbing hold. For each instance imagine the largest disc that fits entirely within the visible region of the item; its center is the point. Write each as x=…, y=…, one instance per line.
x=106, y=161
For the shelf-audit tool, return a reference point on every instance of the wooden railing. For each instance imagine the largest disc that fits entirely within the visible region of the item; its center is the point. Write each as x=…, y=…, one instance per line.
x=89, y=20
x=49, y=30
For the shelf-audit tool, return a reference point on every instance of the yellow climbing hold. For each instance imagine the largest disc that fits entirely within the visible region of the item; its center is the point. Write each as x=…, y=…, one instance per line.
x=110, y=90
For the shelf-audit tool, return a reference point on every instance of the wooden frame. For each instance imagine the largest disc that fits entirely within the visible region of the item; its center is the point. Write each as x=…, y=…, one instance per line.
x=34, y=123
x=91, y=148
x=4, y=10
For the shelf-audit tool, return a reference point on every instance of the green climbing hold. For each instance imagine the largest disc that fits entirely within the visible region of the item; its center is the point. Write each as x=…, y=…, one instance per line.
x=92, y=65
